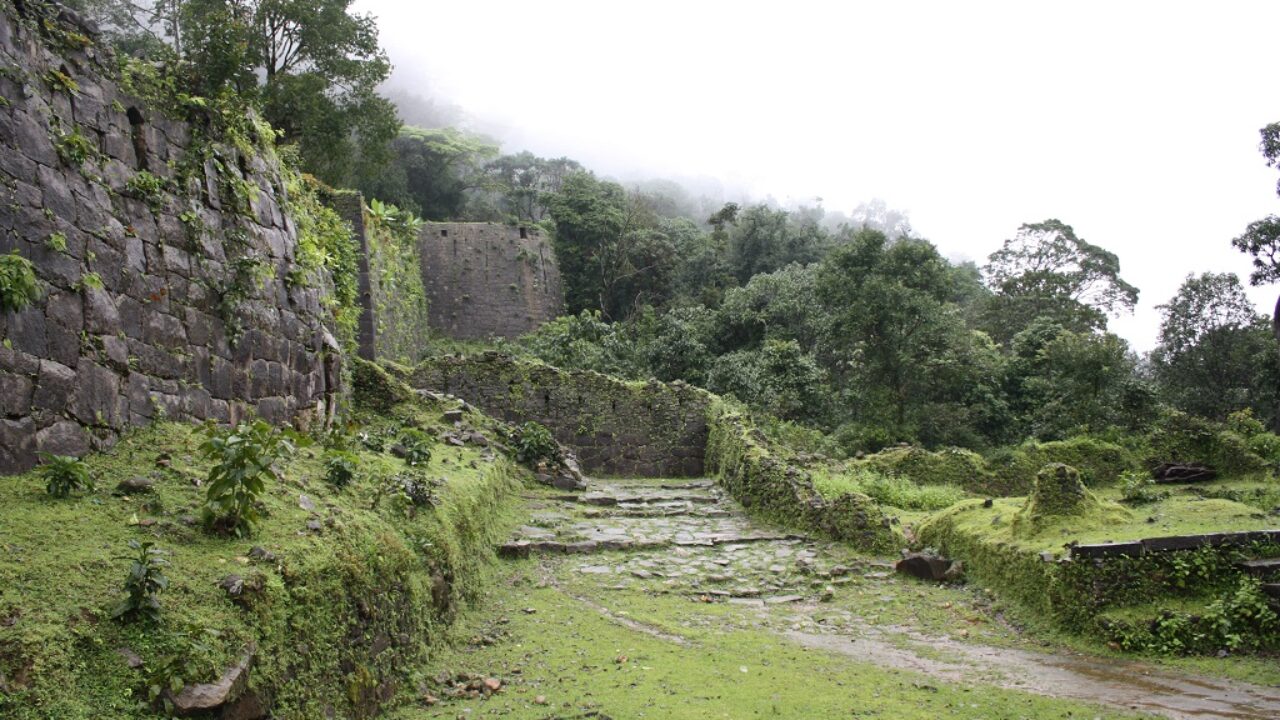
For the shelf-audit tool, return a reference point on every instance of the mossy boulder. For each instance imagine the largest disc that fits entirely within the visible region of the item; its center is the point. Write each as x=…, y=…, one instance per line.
x=374, y=388
x=1058, y=491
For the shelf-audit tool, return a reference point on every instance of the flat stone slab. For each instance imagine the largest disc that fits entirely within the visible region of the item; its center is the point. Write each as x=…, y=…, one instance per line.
x=1174, y=543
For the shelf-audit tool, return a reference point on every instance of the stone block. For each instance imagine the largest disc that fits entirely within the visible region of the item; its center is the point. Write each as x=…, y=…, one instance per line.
x=63, y=438
x=96, y=391
x=15, y=394
x=54, y=386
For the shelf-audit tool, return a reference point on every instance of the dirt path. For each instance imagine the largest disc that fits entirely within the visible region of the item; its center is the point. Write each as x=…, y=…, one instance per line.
x=636, y=553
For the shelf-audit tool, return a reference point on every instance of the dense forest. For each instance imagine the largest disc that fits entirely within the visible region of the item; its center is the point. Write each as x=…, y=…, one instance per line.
x=852, y=325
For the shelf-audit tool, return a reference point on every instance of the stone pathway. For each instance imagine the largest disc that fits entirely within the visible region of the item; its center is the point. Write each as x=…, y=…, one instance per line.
x=687, y=538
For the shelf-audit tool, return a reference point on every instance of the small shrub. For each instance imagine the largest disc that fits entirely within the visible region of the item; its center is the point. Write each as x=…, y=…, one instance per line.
x=144, y=583
x=64, y=475
x=416, y=446
x=244, y=458
x=74, y=149
x=56, y=242
x=854, y=438
x=341, y=467
x=192, y=658
x=1139, y=489
x=147, y=188
x=408, y=492
x=18, y=284
x=534, y=443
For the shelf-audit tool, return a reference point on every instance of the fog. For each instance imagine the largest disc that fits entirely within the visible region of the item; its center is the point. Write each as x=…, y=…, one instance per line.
x=1137, y=123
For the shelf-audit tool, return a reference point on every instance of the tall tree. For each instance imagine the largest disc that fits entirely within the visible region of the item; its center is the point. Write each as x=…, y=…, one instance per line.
x=1046, y=270
x=890, y=320
x=1214, y=354
x=313, y=66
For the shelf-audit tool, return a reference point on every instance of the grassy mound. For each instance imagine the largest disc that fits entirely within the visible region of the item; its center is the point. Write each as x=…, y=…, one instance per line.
x=341, y=591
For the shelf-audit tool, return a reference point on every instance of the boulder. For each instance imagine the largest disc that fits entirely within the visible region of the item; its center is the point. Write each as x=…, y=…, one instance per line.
x=136, y=485
x=206, y=697
x=928, y=566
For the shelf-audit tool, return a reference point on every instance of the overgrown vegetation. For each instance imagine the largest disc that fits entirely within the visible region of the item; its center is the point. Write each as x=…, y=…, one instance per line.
x=143, y=584
x=243, y=459
x=64, y=475
x=19, y=286
x=533, y=444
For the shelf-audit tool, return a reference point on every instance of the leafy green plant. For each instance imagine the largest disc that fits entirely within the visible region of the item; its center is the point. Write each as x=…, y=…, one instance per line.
x=144, y=583
x=74, y=148
x=244, y=458
x=191, y=659
x=1139, y=489
x=408, y=491
x=148, y=188
x=64, y=475
x=89, y=280
x=416, y=446
x=62, y=82
x=534, y=443
x=18, y=284
x=341, y=467
x=56, y=242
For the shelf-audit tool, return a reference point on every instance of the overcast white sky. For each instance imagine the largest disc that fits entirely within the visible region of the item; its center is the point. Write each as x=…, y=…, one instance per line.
x=1135, y=122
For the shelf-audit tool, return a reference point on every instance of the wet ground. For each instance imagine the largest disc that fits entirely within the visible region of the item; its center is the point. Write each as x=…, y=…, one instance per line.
x=675, y=571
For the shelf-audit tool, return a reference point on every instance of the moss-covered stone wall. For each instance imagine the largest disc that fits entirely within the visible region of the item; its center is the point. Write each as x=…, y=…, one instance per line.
x=766, y=485
x=167, y=283
x=648, y=429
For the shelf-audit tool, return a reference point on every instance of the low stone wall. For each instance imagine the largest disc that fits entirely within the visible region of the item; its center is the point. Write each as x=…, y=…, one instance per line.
x=767, y=486
x=161, y=294
x=616, y=428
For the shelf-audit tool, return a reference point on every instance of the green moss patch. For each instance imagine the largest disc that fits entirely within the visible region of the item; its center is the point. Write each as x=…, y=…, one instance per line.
x=347, y=590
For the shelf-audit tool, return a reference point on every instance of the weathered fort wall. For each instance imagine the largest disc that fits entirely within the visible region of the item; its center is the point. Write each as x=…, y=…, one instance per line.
x=486, y=280
x=165, y=301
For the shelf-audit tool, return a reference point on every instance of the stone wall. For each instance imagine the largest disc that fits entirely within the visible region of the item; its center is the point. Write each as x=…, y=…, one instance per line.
x=488, y=280
x=617, y=428
x=138, y=313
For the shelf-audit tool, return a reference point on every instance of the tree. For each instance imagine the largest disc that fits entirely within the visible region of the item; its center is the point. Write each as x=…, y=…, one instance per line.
x=613, y=257
x=1062, y=382
x=890, y=322
x=313, y=67
x=435, y=171
x=1261, y=240
x=763, y=240
x=523, y=181
x=1047, y=271
x=1214, y=354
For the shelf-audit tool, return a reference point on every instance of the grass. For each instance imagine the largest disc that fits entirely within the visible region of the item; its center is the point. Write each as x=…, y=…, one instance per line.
x=331, y=592
x=1177, y=515
x=552, y=645
x=894, y=490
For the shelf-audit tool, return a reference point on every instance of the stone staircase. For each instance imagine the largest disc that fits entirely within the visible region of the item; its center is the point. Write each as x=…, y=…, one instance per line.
x=685, y=537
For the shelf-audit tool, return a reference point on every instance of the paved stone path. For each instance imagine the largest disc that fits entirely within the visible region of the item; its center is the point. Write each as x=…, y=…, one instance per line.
x=688, y=538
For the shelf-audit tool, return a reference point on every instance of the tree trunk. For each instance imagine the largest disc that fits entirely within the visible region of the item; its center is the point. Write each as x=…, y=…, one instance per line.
x=1275, y=330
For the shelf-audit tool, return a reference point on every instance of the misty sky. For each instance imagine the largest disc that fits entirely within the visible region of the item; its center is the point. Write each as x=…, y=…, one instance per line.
x=1137, y=123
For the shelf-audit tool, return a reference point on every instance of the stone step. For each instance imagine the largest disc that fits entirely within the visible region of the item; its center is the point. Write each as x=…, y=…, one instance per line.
x=526, y=548
x=1267, y=566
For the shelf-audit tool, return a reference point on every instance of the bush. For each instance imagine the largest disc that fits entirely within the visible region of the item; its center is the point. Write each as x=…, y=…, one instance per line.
x=415, y=446
x=1179, y=437
x=534, y=443
x=949, y=466
x=244, y=458
x=1138, y=488
x=144, y=583
x=340, y=467
x=18, y=284
x=854, y=438
x=64, y=475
